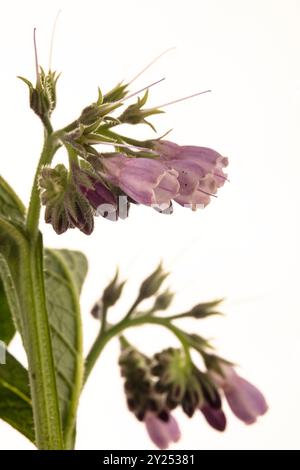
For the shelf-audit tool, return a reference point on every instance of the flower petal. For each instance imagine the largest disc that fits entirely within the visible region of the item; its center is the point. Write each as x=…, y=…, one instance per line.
x=215, y=417
x=245, y=400
x=157, y=430
x=173, y=429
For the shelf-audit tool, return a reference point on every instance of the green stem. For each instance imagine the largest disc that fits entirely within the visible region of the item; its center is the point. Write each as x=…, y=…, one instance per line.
x=102, y=339
x=33, y=214
x=37, y=332
x=39, y=351
x=103, y=321
x=36, y=337
x=134, y=306
x=70, y=127
x=73, y=157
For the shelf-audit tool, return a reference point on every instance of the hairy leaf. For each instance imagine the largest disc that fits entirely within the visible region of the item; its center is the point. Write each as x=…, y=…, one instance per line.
x=7, y=327
x=15, y=402
x=64, y=275
x=12, y=209
x=10, y=272
x=10, y=205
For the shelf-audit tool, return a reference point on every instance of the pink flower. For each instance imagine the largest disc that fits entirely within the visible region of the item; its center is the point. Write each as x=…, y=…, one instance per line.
x=200, y=171
x=147, y=181
x=244, y=399
x=162, y=433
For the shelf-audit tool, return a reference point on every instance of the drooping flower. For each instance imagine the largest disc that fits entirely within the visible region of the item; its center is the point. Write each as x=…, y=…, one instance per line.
x=145, y=180
x=244, y=399
x=200, y=171
x=65, y=206
x=162, y=432
x=101, y=199
x=215, y=417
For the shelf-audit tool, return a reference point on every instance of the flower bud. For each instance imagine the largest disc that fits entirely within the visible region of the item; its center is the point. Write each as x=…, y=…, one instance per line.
x=90, y=115
x=57, y=217
x=193, y=397
x=112, y=292
x=135, y=115
x=139, y=385
x=115, y=94
x=163, y=301
x=152, y=283
x=170, y=368
x=79, y=212
x=97, y=310
x=53, y=183
x=205, y=309
x=65, y=206
x=42, y=98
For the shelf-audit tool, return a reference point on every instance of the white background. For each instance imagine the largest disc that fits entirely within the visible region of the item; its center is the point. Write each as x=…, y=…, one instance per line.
x=244, y=246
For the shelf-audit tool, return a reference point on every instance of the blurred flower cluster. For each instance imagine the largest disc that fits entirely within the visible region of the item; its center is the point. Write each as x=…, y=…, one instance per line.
x=155, y=386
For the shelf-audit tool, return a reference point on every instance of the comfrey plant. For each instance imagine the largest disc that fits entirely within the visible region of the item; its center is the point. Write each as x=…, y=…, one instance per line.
x=40, y=287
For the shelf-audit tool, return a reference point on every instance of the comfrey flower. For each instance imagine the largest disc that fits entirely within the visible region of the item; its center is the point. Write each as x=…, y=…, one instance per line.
x=151, y=172
x=155, y=387
x=143, y=400
x=102, y=200
x=187, y=174
x=200, y=171
x=145, y=180
x=244, y=399
x=162, y=432
x=215, y=417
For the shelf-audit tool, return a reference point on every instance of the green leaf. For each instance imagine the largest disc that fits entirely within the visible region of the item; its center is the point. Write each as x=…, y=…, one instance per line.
x=76, y=263
x=64, y=275
x=7, y=327
x=10, y=273
x=10, y=205
x=15, y=402
x=12, y=209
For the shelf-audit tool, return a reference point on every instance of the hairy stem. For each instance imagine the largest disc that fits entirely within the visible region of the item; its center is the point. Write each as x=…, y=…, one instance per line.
x=33, y=214
x=39, y=352
x=102, y=339
x=35, y=318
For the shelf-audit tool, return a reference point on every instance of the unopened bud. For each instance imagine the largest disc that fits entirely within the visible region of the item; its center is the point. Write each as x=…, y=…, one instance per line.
x=205, y=309
x=42, y=98
x=90, y=115
x=163, y=301
x=113, y=291
x=115, y=94
x=151, y=285
x=134, y=114
x=97, y=310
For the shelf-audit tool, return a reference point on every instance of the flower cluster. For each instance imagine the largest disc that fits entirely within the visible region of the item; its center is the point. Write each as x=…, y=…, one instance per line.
x=155, y=387
x=154, y=172
x=144, y=401
x=187, y=175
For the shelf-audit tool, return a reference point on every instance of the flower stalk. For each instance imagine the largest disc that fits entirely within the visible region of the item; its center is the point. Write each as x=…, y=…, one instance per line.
x=104, y=337
x=37, y=332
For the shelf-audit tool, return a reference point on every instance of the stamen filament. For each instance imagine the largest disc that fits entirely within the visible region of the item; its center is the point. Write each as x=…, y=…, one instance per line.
x=140, y=91
x=182, y=99
x=150, y=64
x=52, y=38
x=36, y=58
